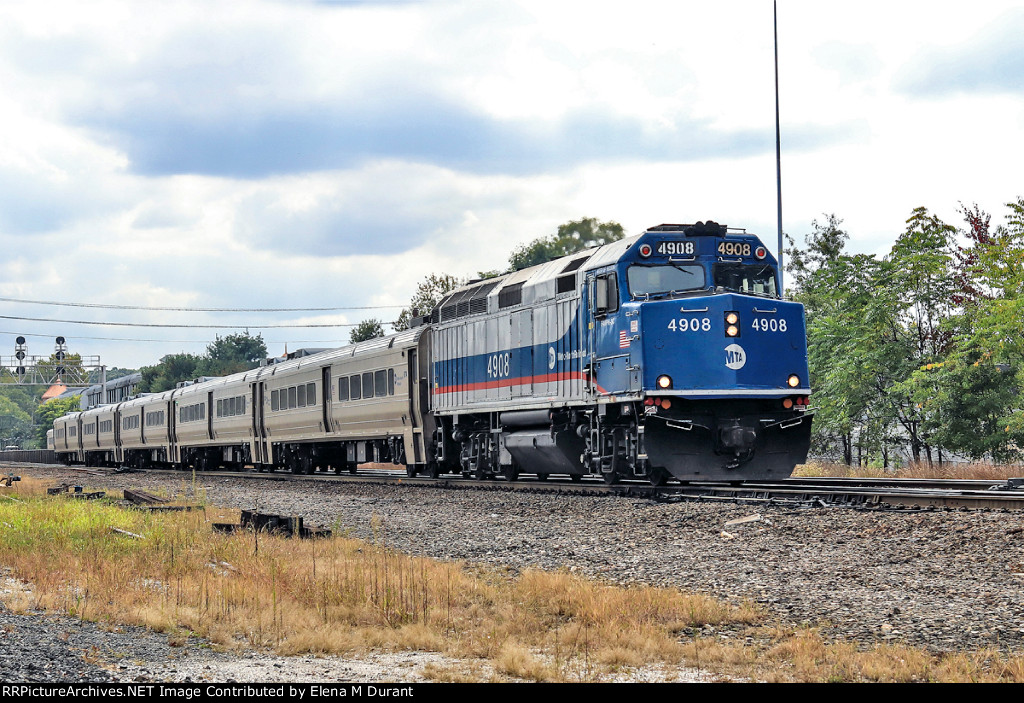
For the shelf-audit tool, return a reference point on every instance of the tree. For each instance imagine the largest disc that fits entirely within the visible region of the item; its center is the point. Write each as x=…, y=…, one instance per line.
x=51, y=410
x=172, y=369
x=837, y=290
x=367, y=329
x=992, y=329
x=428, y=294
x=916, y=294
x=573, y=236
x=15, y=424
x=233, y=353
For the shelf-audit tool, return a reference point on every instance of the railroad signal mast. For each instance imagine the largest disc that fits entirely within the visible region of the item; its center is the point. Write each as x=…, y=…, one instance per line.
x=24, y=369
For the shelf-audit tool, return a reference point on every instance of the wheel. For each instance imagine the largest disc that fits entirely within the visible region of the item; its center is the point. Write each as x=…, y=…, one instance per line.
x=611, y=478
x=351, y=468
x=575, y=478
x=434, y=470
x=510, y=472
x=411, y=471
x=542, y=477
x=658, y=476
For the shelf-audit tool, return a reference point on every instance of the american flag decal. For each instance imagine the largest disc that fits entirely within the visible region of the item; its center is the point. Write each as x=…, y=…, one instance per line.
x=623, y=340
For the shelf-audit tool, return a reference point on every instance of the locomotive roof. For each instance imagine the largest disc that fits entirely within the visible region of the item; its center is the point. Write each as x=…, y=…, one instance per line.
x=549, y=279
x=475, y=294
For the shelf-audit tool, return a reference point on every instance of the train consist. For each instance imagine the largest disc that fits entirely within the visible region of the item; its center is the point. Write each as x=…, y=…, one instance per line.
x=669, y=354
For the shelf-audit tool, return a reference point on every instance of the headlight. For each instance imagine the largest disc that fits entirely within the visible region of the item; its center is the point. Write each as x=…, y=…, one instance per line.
x=794, y=381
x=664, y=382
x=732, y=324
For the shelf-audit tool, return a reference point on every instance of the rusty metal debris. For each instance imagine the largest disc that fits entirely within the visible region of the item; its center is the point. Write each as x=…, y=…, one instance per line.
x=142, y=500
x=75, y=492
x=142, y=497
x=290, y=526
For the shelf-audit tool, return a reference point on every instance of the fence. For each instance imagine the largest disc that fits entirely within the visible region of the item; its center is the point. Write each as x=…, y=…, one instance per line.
x=32, y=456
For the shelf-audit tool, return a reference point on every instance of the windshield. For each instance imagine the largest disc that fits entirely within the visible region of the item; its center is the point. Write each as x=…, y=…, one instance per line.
x=662, y=280
x=756, y=279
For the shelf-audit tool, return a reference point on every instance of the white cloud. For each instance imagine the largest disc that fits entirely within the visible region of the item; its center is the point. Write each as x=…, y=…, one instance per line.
x=266, y=154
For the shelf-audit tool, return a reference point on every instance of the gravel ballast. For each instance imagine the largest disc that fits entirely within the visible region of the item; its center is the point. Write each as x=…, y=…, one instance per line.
x=944, y=580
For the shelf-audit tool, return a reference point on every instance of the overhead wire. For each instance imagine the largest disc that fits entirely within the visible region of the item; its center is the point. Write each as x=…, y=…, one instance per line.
x=247, y=325
x=107, y=306
x=178, y=341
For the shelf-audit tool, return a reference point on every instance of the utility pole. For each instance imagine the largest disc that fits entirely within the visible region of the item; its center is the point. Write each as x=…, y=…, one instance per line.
x=778, y=141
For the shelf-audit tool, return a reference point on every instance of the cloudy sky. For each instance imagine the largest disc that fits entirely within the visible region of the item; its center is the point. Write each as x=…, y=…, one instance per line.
x=261, y=154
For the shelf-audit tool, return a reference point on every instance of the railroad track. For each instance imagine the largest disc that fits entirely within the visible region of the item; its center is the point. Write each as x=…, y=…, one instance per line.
x=881, y=494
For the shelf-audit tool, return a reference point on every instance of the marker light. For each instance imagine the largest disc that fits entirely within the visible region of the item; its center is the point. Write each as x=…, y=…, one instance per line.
x=760, y=252
x=664, y=382
x=787, y=403
x=732, y=331
x=666, y=403
x=794, y=381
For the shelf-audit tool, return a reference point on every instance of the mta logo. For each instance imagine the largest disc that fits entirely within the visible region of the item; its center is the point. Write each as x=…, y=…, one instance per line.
x=735, y=357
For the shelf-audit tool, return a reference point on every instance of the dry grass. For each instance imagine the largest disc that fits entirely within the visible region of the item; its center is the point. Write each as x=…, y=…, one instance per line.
x=332, y=596
x=343, y=595
x=803, y=656
x=978, y=471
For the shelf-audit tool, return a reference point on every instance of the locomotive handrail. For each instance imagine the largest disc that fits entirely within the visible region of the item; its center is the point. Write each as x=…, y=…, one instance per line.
x=614, y=356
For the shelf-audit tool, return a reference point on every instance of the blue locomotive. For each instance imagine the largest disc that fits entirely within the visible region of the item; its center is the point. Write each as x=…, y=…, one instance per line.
x=667, y=354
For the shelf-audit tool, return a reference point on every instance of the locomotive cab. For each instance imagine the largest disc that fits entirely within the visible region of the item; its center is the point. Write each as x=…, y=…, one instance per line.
x=688, y=326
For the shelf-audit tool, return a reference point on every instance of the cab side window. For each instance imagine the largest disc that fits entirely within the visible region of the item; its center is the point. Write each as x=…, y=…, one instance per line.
x=606, y=294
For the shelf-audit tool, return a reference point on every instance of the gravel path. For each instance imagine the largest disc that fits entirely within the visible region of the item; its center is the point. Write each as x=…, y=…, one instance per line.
x=949, y=581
